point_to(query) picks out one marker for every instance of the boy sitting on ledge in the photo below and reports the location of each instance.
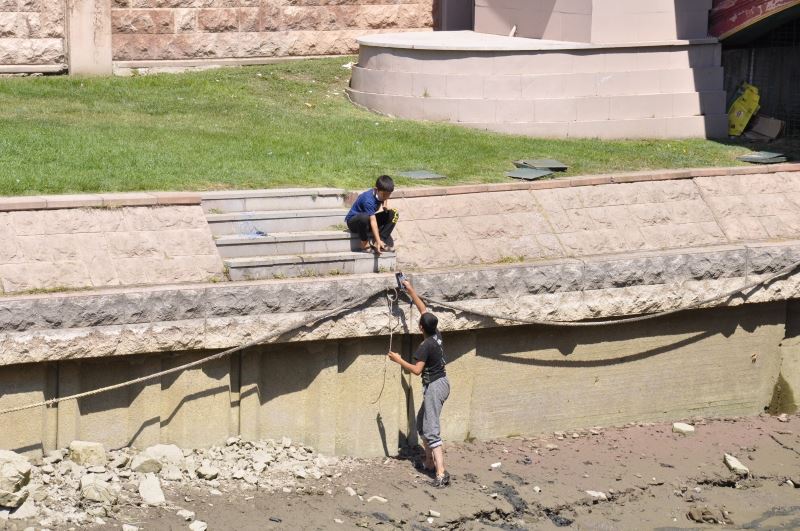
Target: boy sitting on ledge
(370, 216)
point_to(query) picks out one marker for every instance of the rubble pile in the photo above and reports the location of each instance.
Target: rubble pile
(85, 484)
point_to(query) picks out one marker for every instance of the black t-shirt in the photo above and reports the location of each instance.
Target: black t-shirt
(432, 353)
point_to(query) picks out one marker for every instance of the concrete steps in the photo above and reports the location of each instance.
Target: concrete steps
(266, 222)
(264, 234)
(286, 243)
(269, 200)
(308, 265)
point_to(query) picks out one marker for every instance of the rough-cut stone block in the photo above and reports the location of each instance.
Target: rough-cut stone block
(143, 21)
(218, 20)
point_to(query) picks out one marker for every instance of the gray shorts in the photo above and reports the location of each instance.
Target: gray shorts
(433, 397)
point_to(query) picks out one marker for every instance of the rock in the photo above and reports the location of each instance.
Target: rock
(87, 453)
(145, 464)
(15, 474)
(496, 465)
(171, 473)
(96, 469)
(597, 495)
(259, 467)
(379, 499)
(230, 441)
(206, 471)
(338, 521)
(165, 453)
(435, 514)
(185, 514)
(350, 491)
(150, 490)
(238, 474)
(48, 469)
(736, 466)
(26, 510)
(286, 442)
(551, 447)
(429, 520)
(575, 435)
(95, 488)
(783, 417)
(301, 473)
(261, 456)
(215, 492)
(537, 489)
(682, 428)
(198, 525)
(54, 456)
(129, 527)
(119, 461)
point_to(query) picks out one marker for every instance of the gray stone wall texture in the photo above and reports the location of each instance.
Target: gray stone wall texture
(32, 32)
(208, 29)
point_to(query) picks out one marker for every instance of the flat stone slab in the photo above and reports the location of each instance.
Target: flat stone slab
(484, 42)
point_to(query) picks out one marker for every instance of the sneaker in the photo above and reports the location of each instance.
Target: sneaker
(441, 481)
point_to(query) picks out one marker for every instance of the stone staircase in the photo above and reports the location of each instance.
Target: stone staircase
(300, 232)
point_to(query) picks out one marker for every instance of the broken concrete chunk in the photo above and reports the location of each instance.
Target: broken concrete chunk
(682, 428)
(150, 490)
(597, 495)
(736, 466)
(145, 464)
(25, 511)
(165, 453)
(15, 473)
(185, 514)
(87, 453)
(207, 471)
(198, 525)
(95, 488)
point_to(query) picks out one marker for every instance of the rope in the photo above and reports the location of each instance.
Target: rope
(390, 306)
(390, 303)
(623, 320)
(261, 340)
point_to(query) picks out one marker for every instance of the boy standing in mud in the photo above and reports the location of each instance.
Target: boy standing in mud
(428, 361)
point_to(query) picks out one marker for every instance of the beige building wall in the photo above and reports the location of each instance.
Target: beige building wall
(32, 34)
(332, 395)
(596, 21)
(148, 30)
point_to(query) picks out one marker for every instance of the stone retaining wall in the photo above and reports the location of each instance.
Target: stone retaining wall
(149, 30)
(103, 241)
(32, 32)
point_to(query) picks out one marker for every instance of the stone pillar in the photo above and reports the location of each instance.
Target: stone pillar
(89, 37)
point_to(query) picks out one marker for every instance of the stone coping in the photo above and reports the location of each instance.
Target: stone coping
(271, 192)
(166, 303)
(486, 42)
(594, 180)
(108, 200)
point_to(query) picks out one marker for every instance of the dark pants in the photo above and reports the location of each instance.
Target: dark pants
(386, 219)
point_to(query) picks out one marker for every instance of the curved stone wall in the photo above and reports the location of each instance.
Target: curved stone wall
(544, 88)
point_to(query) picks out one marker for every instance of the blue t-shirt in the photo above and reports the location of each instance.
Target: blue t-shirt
(367, 203)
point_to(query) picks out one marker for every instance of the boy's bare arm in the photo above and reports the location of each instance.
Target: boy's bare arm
(415, 298)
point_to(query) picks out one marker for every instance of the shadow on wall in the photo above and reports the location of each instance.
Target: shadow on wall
(635, 342)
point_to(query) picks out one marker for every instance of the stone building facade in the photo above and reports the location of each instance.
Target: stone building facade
(93, 36)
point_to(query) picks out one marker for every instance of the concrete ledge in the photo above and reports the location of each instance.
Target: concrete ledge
(33, 69)
(596, 180)
(54, 202)
(195, 317)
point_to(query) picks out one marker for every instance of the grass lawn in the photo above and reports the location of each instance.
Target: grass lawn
(288, 124)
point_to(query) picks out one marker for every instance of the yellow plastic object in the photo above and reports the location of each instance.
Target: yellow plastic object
(742, 109)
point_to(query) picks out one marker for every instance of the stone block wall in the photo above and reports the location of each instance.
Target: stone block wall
(32, 32)
(201, 29)
(76, 248)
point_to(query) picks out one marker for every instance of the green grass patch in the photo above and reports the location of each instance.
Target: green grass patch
(288, 124)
